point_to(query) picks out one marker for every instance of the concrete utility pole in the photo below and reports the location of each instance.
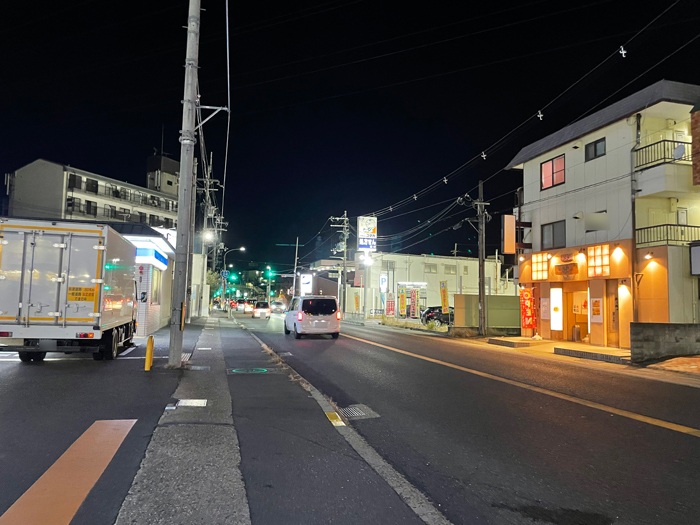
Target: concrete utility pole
(345, 225)
(187, 141)
(296, 256)
(483, 217)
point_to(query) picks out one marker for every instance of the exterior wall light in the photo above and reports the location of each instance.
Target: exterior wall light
(549, 256)
(521, 258)
(649, 255)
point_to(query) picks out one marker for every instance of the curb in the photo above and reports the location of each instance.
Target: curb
(594, 356)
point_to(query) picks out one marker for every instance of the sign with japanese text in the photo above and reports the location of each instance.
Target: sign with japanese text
(527, 309)
(390, 305)
(414, 300)
(81, 293)
(402, 300)
(443, 297)
(367, 234)
(357, 301)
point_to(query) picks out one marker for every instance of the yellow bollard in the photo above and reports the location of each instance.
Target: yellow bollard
(149, 353)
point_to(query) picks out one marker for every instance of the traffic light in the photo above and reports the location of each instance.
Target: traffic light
(272, 294)
(232, 277)
(269, 274)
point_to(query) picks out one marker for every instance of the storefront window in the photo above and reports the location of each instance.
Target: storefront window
(599, 260)
(540, 266)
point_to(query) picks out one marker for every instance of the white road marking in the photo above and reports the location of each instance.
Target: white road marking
(192, 403)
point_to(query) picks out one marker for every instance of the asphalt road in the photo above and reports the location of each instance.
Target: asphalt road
(491, 451)
(45, 407)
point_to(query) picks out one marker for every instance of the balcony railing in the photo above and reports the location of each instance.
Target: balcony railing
(121, 194)
(667, 234)
(662, 152)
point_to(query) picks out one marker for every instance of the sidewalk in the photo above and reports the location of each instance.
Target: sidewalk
(260, 447)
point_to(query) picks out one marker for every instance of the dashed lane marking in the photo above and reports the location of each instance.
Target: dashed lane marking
(59, 492)
(590, 404)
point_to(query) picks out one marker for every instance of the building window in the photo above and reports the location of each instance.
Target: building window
(168, 223)
(91, 208)
(156, 284)
(110, 211)
(450, 269)
(595, 149)
(73, 204)
(552, 172)
(74, 181)
(466, 270)
(430, 268)
(91, 186)
(554, 235)
(599, 260)
(169, 183)
(388, 266)
(540, 267)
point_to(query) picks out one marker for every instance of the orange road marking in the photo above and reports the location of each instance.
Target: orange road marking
(56, 496)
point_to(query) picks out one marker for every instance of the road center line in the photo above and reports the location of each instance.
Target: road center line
(56, 496)
(591, 404)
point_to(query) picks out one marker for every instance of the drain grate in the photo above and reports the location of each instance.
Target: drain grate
(354, 412)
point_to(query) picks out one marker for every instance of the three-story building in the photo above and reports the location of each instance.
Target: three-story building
(609, 205)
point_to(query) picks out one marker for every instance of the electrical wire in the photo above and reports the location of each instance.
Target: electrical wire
(228, 112)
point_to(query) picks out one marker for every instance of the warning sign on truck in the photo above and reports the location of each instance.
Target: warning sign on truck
(81, 293)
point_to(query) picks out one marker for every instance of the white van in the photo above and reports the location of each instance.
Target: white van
(313, 314)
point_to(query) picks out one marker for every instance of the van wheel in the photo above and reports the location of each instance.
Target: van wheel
(286, 330)
(25, 357)
(335, 335)
(38, 357)
(438, 323)
(111, 349)
(297, 335)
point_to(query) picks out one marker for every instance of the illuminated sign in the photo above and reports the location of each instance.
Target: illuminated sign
(599, 260)
(151, 256)
(527, 309)
(540, 267)
(556, 304)
(306, 284)
(443, 297)
(367, 234)
(383, 282)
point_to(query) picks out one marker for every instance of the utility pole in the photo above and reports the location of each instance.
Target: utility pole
(345, 225)
(483, 217)
(187, 141)
(296, 254)
(190, 255)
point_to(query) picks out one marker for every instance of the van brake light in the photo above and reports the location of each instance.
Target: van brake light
(337, 315)
(300, 316)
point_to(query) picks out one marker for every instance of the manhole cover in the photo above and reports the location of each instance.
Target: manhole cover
(354, 412)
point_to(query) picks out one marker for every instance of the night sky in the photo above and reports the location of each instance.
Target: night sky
(345, 105)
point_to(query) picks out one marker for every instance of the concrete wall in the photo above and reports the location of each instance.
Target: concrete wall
(682, 287)
(501, 311)
(39, 191)
(658, 340)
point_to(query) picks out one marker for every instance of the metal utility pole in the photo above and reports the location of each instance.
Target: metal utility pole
(482, 216)
(187, 141)
(345, 225)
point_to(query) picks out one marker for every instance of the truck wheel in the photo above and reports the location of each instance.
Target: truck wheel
(111, 350)
(38, 357)
(25, 357)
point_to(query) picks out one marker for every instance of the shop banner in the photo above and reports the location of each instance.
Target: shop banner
(357, 301)
(402, 300)
(443, 297)
(527, 309)
(414, 300)
(418, 303)
(390, 305)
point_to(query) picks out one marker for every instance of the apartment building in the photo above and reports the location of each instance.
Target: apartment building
(45, 189)
(609, 206)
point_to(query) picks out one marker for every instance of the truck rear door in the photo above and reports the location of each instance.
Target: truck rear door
(49, 275)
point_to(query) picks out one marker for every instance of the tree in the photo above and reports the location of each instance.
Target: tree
(214, 282)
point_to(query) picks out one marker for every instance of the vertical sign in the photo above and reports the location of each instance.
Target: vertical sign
(357, 301)
(527, 309)
(507, 233)
(418, 303)
(402, 300)
(443, 297)
(367, 234)
(306, 284)
(414, 300)
(390, 305)
(383, 282)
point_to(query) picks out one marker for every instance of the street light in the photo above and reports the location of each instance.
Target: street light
(241, 249)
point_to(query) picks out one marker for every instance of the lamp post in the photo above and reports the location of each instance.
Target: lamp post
(368, 262)
(223, 291)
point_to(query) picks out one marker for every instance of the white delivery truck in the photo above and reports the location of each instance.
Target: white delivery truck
(65, 287)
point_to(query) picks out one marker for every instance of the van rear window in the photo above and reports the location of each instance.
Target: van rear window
(319, 306)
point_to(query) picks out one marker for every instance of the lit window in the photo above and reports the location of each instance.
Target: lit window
(540, 267)
(552, 172)
(599, 260)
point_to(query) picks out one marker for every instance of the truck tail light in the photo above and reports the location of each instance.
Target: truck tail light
(300, 316)
(85, 335)
(337, 315)
(5, 334)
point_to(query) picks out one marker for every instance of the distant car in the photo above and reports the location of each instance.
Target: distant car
(434, 313)
(313, 314)
(241, 305)
(261, 309)
(277, 307)
(248, 306)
